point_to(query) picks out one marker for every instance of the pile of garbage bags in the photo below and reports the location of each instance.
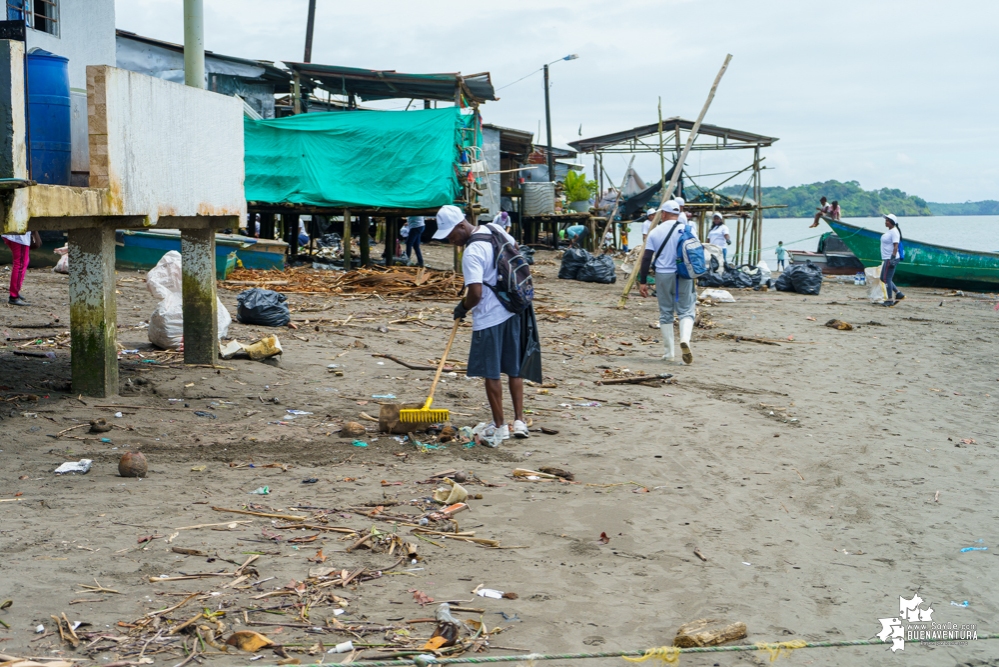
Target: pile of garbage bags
(801, 278)
(744, 276)
(578, 264)
(528, 253)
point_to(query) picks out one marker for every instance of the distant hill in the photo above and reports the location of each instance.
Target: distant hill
(987, 207)
(855, 202)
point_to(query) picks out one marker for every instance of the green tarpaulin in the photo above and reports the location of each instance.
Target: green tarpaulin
(386, 159)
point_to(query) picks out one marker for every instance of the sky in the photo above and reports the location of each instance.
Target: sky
(884, 92)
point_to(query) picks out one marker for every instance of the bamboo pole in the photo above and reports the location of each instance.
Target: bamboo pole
(346, 239)
(677, 169)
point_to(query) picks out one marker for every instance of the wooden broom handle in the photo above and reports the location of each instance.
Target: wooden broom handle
(440, 366)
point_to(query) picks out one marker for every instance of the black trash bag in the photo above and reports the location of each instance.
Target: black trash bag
(262, 306)
(801, 278)
(573, 260)
(807, 279)
(754, 274)
(599, 269)
(530, 347)
(528, 253)
(736, 279)
(712, 279)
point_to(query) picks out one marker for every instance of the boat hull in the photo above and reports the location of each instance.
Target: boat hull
(143, 249)
(925, 264)
(831, 263)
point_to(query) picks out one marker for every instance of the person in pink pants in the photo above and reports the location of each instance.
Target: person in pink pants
(19, 245)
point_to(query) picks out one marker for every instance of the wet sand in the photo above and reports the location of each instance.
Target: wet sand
(821, 477)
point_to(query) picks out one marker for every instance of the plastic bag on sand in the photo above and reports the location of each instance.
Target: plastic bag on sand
(877, 293)
(719, 295)
(765, 273)
(166, 324)
(62, 266)
(599, 269)
(262, 306)
(573, 260)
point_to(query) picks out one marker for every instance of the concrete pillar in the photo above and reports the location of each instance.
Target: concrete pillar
(93, 312)
(201, 328)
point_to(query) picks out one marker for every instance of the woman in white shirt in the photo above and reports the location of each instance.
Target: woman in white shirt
(890, 257)
(19, 245)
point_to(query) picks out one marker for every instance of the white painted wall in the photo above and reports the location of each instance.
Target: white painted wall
(86, 37)
(172, 150)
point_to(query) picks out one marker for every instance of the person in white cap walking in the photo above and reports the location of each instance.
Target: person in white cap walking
(890, 257)
(496, 332)
(719, 234)
(675, 294)
(651, 213)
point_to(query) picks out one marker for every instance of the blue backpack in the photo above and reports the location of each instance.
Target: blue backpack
(514, 286)
(690, 259)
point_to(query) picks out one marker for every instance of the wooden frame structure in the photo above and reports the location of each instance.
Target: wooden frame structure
(647, 139)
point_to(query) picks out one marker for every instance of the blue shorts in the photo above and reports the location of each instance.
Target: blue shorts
(496, 350)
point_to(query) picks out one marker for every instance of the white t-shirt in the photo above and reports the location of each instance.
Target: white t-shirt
(23, 239)
(716, 235)
(682, 218)
(645, 227)
(478, 263)
(667, 259)
(888, 241)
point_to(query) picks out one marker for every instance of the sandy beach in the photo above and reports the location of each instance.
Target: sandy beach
(819, 475)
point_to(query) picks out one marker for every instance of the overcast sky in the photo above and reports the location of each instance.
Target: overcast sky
(888, 93)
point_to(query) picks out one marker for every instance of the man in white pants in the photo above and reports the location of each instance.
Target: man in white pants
(675, 294)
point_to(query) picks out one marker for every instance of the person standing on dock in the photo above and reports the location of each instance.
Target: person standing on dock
(496, 332)
(675, 294)
(890, 257)
(719, 234)
(824, 209)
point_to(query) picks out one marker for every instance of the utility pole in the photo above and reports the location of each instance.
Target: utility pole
(194, 43)
(548, 124)
(309, 28)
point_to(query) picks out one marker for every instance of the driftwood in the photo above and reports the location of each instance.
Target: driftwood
(412, 367)
(639, 379)
(708, 632)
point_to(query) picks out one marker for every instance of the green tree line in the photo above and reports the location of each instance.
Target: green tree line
(854, 201)
(987, 207)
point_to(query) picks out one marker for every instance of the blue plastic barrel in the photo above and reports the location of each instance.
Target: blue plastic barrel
(49, 118)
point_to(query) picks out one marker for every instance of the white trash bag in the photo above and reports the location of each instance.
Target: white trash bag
(62, 266)
(166, 324)
(765, 273)
(718, 295)
(877, 294)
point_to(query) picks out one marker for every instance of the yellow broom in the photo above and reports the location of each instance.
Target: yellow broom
(425, 415)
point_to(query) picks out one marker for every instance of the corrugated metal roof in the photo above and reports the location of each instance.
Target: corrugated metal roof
(372, 84)
(669, 125)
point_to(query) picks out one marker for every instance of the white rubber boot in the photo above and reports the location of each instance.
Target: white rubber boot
(667, 331)
(686, 329)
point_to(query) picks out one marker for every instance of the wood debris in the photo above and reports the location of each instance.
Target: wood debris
(397, 282)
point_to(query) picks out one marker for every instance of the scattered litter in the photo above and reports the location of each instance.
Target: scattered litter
(384, 396)
(202, 413)
(495, 594)
(311, 480)
(262, 306)
(249, 641)
(166, 324)
(344, 647)
(359, 443)
(264, 348)
(745, 563)
(959, 604)
(509, 617)
(604, 538)
(719, 295)
(352, 430)
(840, 325)
(298, 412)
(967, 549)
(708, 632)
(118, 415)
(455, 493)
(198, 468)
(262, 491)
(82, 467)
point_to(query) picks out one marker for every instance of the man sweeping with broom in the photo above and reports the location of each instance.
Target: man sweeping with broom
(504, 330)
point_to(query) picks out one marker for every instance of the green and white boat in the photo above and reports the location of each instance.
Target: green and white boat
(925, 264)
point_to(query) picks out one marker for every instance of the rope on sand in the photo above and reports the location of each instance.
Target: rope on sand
(667, 654)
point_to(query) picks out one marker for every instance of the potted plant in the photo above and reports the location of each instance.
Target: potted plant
(578, 191)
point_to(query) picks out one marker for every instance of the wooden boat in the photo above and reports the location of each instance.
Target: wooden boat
(142, 249)
(832, 256)
(925, 264)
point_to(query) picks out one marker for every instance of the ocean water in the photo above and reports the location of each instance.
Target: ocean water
(971, 232)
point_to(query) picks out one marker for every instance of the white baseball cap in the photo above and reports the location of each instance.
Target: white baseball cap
(651, 212)
(447, 219)
(891, 217)
(670, 207)
(718, 215)
(680, 201)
